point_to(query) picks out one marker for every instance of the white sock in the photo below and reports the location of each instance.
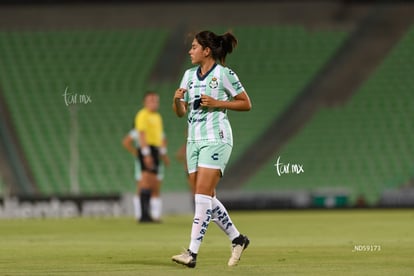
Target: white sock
(222, 218)
(156, 207)
(137, 207)
(202, 217)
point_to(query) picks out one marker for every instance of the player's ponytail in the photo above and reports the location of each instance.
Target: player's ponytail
(227, 43)
(220, 45)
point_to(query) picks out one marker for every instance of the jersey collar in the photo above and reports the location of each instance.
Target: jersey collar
(203, 77)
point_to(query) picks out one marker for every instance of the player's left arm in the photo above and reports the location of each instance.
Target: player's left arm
(234, 88)
(240, 102)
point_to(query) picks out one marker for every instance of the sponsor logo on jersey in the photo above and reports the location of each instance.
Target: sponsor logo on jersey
(191, 85)
(200, 86)
(237, 85)
(193, 120)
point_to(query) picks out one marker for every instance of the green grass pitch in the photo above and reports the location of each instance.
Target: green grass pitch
(334, 242)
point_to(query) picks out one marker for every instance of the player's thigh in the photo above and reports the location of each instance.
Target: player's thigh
(137, 170)
(214, 156)
(207, 180)
(156, 189)
(192, 178)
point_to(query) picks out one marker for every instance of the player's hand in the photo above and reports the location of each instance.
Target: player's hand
(179, 93)
(178, 105)
(207, 101)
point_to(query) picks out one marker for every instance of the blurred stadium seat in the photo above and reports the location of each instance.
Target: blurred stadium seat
(364, 146)
(274, 64)
(108, 66)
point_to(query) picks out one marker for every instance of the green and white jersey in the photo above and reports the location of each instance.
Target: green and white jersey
(209, 124)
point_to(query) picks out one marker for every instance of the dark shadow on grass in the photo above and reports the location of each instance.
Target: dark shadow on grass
(162, 262)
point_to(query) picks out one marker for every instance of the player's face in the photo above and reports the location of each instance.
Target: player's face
(197, 53)
(152, 102)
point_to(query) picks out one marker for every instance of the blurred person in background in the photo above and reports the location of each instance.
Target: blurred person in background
(206, 92)
(152, 150)
(131, 144)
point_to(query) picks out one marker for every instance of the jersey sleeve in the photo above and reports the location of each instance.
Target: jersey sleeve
(231, 82)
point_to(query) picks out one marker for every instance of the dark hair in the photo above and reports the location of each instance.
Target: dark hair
(220, 45)
(149, 93)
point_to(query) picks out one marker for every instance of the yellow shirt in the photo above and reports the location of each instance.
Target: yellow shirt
(151, 124)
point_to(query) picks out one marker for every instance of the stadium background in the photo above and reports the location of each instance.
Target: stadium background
(331, 84)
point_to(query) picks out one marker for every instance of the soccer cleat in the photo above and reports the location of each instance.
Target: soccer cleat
(186, 258)
(239, 244)
(145, 220)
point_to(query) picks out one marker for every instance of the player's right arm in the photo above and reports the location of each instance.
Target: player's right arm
(180, 101)
(179, 106)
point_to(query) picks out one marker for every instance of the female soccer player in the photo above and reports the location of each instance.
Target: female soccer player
(207, 91)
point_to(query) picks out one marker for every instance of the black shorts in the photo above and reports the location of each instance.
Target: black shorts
(155, 153)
